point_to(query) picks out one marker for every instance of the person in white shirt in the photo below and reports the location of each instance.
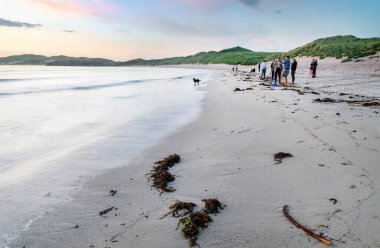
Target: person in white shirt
(263, 68)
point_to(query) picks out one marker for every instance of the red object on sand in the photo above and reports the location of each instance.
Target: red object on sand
(294, 222)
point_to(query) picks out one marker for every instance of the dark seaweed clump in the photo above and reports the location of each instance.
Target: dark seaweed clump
(196, 221)
(180, 209)
(278, 157)
(212, 206)
(161, 175)
(191, 225)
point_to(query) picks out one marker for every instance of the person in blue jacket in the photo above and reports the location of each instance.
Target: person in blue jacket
(286, 70)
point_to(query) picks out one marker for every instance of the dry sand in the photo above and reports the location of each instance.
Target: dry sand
(228, 153)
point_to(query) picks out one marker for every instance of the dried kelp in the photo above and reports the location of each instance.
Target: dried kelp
(238, 89)
(212, 206)
(103, 212)
(161, 178)
(169, 161)
(367, 102)
(190, 231)
(114, 238)
(278, 157)
(180, 209)
(327, 99)
(191, 225)
(160, 174)
(309, 232)
(195, 221)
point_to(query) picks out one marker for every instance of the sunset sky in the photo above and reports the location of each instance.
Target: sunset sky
(128, 29)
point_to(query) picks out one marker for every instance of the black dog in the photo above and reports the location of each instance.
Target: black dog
(196, 81)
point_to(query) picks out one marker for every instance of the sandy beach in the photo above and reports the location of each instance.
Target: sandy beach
(227, 153)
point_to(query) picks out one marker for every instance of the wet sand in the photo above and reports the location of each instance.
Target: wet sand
(227, 153)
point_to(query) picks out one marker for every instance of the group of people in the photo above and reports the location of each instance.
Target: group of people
(282, 68)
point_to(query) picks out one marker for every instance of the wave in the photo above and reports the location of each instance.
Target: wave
(81, 88)
(20, 79)
(10, 237)
(11, 79)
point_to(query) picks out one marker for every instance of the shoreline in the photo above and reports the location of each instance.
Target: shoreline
(227, 153)
(106, 136)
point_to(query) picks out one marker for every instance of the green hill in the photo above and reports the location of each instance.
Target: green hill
(231, 56)
(31, 59)
(26, 59)
(68, 61)
(348, 46)
(235, 49)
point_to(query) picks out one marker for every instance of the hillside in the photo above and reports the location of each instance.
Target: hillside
(31, 59)
(69, 61)
(231, 56)
(348, 47)
(26, 59)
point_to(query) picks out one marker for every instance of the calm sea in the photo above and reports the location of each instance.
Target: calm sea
(60, 126)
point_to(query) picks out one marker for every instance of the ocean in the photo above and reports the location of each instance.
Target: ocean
(61, 126)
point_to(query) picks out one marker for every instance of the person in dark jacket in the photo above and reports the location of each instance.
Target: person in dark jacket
(277, 73)
(313, 68)
(273, 68)
(293, 69)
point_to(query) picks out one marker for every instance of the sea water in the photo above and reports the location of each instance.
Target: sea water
(60, 126)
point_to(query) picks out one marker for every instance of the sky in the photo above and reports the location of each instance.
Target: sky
(127, 29)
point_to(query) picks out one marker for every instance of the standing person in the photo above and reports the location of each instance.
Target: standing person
(259, 66)
(263, 69)
(273, 67)
(233, 68)
(293, 69)
(313, 68)
(286, 71)
(277, 73)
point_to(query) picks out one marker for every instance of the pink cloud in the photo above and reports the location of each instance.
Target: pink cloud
(80, 7)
